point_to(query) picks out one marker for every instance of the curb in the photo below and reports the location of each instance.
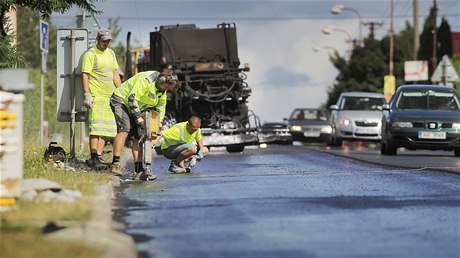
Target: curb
(100, 231)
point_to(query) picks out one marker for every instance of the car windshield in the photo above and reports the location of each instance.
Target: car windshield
(362, 103)
(434, 100)
(309, 114)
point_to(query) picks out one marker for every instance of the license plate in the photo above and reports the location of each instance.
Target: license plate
(431, 135)
(365, 131)
(311, 134)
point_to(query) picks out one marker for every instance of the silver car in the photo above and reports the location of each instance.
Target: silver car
(356, 116)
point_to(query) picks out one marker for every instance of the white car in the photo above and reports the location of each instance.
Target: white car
(356, 116)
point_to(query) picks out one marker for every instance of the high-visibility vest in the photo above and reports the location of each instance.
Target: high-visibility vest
(100, 65)
(178, 134)
(140, 93)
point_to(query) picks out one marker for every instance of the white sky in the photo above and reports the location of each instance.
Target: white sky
(275, 37)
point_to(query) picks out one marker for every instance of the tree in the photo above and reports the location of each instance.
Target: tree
(363, 72)
(444, 40)
(45, 8)
(403, 51)
(28, 36)
(425, 51)
(11, 57)
(120, 50)
(369, 64)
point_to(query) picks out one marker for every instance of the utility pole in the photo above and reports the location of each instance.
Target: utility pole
(416, 30)
(389, 81)
(372, 26)
(435, 40)
(81, 19)
(390, 72)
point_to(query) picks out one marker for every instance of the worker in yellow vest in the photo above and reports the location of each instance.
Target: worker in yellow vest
(182, 143)
(99, 79)
(145, 90)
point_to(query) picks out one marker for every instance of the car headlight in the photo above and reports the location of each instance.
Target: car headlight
(456, 125)
(296, 128)
(402, 124)
(345, 121)
(326, 129)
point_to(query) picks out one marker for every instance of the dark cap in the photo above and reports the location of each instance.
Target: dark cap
(104, 34)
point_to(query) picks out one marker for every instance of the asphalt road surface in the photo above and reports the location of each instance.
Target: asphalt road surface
(292, 201)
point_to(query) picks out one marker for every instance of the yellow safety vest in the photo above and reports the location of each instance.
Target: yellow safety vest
(100, 65)
(178, 134)
(140, 93)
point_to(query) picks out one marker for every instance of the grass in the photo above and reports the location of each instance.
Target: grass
(21, 228)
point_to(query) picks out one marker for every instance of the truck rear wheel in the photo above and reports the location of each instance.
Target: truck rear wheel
(235, 148)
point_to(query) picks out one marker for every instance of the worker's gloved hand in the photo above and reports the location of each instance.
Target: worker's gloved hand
(88, 101)
(140, 120)
(199, 155)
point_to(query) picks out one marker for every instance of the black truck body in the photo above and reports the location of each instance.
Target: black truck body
(213, 83)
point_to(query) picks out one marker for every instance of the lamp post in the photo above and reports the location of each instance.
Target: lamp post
(338, 8)
(318, 47)
(328, 29)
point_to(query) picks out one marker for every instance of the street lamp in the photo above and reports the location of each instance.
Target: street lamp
(338, 8)
(328, 29)
(318, 48)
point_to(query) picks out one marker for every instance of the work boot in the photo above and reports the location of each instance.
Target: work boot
(137, 175)
(98, 165)
(103, 162)
(147, 175)
(176, 168)
(116, 169)
(89, 162)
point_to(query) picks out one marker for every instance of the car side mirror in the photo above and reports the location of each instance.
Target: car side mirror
(334, 107)
(285, 119)
(386, 107)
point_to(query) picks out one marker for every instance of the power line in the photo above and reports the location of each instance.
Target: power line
(406, 9)
(248, 17)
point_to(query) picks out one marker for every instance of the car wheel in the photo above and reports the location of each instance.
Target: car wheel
(457, 152)
(383, 148)
(386, 148)
(329, 141)
(338, 142)
(235, 148)
(334, 142)
(391, 149)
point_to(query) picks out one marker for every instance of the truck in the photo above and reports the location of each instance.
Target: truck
(213, 81)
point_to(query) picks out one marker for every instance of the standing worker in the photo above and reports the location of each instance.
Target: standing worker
(99, 76)
(178, 144)
(145, 90)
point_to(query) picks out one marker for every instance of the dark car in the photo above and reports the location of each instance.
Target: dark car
(275, 132)
(310, 124)
(422, 117)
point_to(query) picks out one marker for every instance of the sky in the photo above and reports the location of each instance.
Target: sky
(276, 38)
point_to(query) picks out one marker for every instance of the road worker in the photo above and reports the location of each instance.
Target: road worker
(99, 79)
(145, 90)
(182, 143)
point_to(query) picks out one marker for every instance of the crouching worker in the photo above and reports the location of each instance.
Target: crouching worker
(145, 90)
(182, 143)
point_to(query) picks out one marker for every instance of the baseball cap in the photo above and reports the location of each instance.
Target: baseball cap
(104, 34)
